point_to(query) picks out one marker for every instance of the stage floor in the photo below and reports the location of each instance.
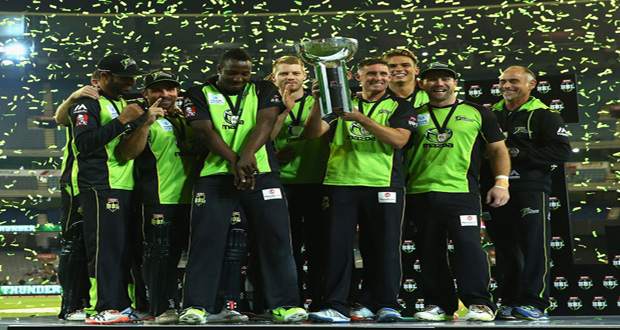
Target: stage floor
(566, 322)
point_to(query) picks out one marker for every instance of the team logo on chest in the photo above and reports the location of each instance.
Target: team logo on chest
(437, 139)
(359, 133)
(231, 120)
(112, 205)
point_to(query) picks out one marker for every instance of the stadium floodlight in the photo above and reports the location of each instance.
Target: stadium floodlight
(15, 49)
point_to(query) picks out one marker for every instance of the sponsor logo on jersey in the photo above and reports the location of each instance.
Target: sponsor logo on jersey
(585, 282)
(216, 99)
(112, 111)
(413, 121)
(459, 118)
(543, 87)
(574, 303)
(495, 90)
(560, 283)
(469, 220)
(521, 130)
(272, 193)
(80, 108)
(410, 285)
(567, 85)
(527, 211)
(231, 119)
(557, 105)
(610, 282)
(275, 99)
(438, 140)
(387, 197)
(599, 303)
(557, 242)
(190, 111)
(200, 199)
(157, 220)
(514, 175)
(385, 111)
(408, 246)
(165, 125)
(235, 218)
(423, 119)
(81, 120)
(359, 133)
(562, 132)
(112, 205)
(475, 91)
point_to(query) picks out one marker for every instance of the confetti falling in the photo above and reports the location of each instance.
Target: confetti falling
(62, 40)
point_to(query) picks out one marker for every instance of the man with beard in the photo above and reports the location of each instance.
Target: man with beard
(302, 168)
(364, 185)
(403, 65)
(165, 153)
(104, 184)
(521, 230)
(233, 117)
(443, 195)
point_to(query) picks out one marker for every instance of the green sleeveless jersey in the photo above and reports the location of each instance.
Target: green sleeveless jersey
(308, 166)
(97, 133)
(357, 158)
(234, 127)
(448, 160)
(166, 168)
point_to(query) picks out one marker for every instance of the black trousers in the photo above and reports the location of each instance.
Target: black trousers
(436, 217)
(521, 234)
(307, 230)
(107, 219)
(72, 266)
(380, 218)
(165, 233)
(215, 198)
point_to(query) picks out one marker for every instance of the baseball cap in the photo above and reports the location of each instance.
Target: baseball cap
(119, 65)
(159, 76)
(438, 66)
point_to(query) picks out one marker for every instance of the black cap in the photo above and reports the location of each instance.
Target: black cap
(438, 66)
(158, 76)
(119, 65)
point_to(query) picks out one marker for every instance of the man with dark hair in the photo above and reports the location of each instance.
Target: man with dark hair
(165, 153)
(443, 195)
(364, 185)
(521, 230)
(302, 168)
(72, 265)
(403, 66)
(234, 116)
(104, 182)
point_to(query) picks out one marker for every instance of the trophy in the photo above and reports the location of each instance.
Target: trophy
(328, 56)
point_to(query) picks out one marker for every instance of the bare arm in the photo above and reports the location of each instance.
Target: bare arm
(500, 165)
(394, 137)
(315, 126)
(133, 145)
(62, 113)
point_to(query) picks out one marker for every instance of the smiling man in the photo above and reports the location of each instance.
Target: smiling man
(403, 65)
(234, 116)
(443, 195)
(364, 184)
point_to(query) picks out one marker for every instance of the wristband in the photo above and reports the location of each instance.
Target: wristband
(501, 177)
(500, 187)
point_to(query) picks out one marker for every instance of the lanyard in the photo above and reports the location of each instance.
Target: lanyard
(360, 105)
(113, 103)
(441, 129)
(236, 109)
(297, 121)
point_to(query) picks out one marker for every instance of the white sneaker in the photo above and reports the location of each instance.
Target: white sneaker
(432, 313)
(328, 315)
(479, 313)
(78, 315)
(361, 314)
(226, 316)
(105, 317)
(388, 315)
(170, 316)
(135, 315)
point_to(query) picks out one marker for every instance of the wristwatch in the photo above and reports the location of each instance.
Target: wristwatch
(513, 152)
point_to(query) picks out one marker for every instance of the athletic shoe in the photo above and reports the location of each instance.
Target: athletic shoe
(328, 315)
(78, 315)
(289, 315)
(504, 313)
(432, 313)
(388, 315)
(226, 316)
(529, 313)
(479, 313)
(361, 314)
(193, 315)
(170, 316)
(135, 315)
(105, 317)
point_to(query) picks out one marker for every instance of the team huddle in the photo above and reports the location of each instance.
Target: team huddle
(145, 180)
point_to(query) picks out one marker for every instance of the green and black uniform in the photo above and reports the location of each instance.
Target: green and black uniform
(443, 200)
(521, 230)
(105, 183)
(302, 178)
(234, 117)
(364, 185)
(72, 265)
(417, 99)
(165, 175)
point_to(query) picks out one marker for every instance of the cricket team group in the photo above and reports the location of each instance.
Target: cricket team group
(145, 180)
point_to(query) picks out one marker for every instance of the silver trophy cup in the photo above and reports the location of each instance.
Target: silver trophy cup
(328, 56)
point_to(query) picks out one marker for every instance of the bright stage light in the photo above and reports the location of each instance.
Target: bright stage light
(15, 50)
